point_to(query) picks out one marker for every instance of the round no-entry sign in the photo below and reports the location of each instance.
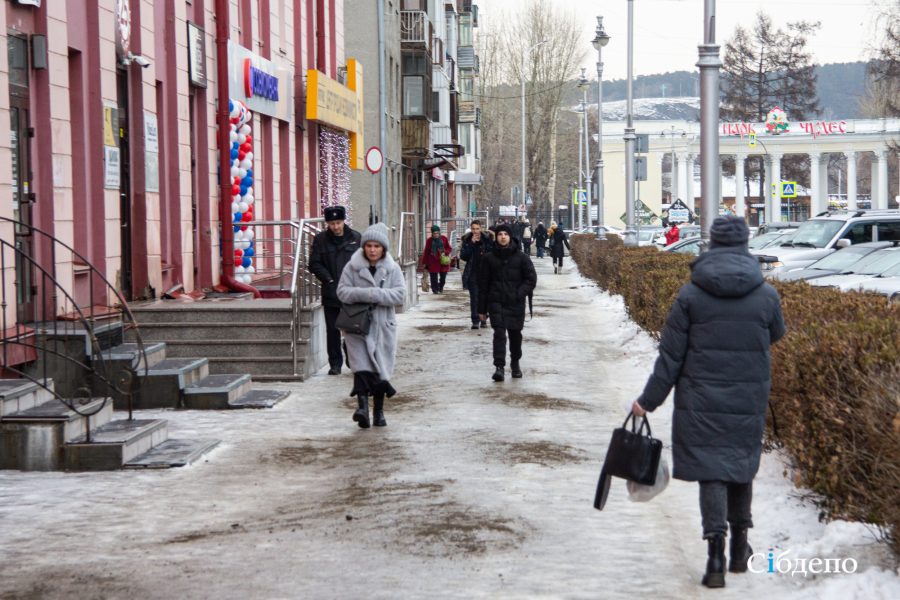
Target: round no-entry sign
(374, 159)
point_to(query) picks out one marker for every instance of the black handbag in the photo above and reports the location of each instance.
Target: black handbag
(632, 455)
(355, 318)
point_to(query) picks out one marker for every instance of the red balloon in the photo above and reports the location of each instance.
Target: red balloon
(238, 252)
(235, 190)
(237, 181)
(247, 216)
(243, 228)
(249, 140)
(241, 154)
(246, 147)
(238, 261)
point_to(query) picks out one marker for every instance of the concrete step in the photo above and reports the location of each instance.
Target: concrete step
(116, 366)
(172, 453)
(162, 386)
(128, 352)
(235, 311)
(228, 348)
(17, 395)
(33, 439)
(216, 392)
(218, 330)
(115, 444)
(260, 399)
(257, 366)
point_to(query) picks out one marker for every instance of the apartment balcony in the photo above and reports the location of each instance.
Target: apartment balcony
(467, 113)
(416, 30)
(465, 57)
(415, 136)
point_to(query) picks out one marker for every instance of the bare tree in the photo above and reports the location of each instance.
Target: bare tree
(883, 99)
(551, 43)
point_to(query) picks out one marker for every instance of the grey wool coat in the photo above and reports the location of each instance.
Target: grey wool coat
(377, 351)
(715, 351)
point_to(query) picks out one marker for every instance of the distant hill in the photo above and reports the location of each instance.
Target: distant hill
(840, 86)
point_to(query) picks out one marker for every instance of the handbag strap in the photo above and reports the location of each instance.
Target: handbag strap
(645, 422)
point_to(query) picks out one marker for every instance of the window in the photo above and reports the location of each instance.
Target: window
(466, 87)
(436, 107)
(465, 138)
(889, 232)
(859, 233)
(414, 96)
(465, 30)
(416, 64)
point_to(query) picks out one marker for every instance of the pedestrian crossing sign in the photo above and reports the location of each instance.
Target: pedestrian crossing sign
(579, 197)
(752, 140)
(788, 189)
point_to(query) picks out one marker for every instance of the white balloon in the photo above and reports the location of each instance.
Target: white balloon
(238, 236)
(249, 156)
(234, 207)
(235, 163)
(235, 110)
(249, 192)
(241, 172)
(245, 129)
(241, 138)
(250, 269)
(248, 234)
(246, 279)
(245, 244)
(246, 163)
(243, 207)
(249, 199)
(233, 136)
(239, 270)
(235, 172)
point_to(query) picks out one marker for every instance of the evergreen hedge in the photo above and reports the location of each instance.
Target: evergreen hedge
(835, 377)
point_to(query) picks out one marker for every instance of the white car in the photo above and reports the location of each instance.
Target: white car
(875, 266)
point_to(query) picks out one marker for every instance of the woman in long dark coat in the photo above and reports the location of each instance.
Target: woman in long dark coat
(559, 242)
(715, 352)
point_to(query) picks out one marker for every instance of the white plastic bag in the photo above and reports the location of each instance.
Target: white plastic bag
(646, 493)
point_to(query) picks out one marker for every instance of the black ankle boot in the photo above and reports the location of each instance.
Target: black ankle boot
(378, 412)
(515, 370)
(498, 374)
(740, 550)
(715, 564)
(361, 415)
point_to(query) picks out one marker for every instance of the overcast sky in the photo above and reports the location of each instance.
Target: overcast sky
(667, 32)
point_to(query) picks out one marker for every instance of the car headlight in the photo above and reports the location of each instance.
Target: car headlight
(771, 266)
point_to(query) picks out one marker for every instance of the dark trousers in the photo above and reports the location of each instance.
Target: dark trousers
(437, 281)
(527, 245)
(722, 502)
(515, 345)
(558, 260)
(540, 251)
(473, 299)
(333, 337)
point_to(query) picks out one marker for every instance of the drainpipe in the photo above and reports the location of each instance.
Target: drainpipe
(382, 111)
(227, 279)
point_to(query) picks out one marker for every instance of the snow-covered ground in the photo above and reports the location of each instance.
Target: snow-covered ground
(475, 489)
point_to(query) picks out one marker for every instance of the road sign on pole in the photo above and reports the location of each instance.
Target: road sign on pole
(788, 189)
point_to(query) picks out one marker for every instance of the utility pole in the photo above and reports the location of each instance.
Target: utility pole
(710, 165)
(630, 236)
(382, 108)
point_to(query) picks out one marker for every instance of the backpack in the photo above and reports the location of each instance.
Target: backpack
(527, 233)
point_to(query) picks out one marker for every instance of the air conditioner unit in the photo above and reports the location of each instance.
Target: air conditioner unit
(418, 178)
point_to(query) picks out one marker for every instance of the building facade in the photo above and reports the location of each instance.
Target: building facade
(116, 109)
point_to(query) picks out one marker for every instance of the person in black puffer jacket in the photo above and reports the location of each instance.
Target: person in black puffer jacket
(715, 352)
(331, 251)
(506, 279)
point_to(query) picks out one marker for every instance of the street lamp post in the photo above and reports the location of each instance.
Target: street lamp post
(673, 184)
(710, 165)
(630, 237)
(584, 84)
(579, 184)
(525, 51)
(600, 40)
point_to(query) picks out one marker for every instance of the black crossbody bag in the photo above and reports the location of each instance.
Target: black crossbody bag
(356, 318)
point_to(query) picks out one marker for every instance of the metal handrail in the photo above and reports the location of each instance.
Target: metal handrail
(409, 239)
(305, 289)
(50, 311)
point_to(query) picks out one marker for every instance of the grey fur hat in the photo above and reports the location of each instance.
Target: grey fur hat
(377, 233)
(729, 231)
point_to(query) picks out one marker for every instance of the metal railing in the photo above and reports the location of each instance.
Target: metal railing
(50, 324)
(415, 28)
(409, 239)
(282, 267)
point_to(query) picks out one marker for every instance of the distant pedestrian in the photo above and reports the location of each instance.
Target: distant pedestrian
(715, 352)
(540, 238)
(475, 245)
(331, 251)
(673, 234)
(559, 242)
(437, 247)
(506, 280)
(526, 237)
(373, 277)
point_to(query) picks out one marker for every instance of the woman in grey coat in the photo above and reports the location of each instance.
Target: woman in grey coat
(715, 352)
(373, 277)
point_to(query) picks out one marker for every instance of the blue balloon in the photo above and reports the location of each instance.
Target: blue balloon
(244, 189)
(235, 145)
(230, 107)
(249, 252)
(237, 217)
(246, 262)
(250, 174)
(237, 228)
(247, 181)
(234, 154)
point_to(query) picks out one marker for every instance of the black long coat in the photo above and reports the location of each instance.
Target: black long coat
(473, 254)
(327, 259)
(559, 241)
(506, 279)
(715, 351)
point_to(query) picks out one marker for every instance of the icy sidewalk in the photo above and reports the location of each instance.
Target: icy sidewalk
(475, 489)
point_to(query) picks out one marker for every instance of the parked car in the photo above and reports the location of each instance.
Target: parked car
(873, 266)
(689, 246)
(836, 262)
(777, 226)
(688, 231)
(771, 238)
(888, 283)
(828, 231)
(647, 236)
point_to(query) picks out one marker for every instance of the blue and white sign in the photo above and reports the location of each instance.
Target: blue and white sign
(788, 189)
(264, 86)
